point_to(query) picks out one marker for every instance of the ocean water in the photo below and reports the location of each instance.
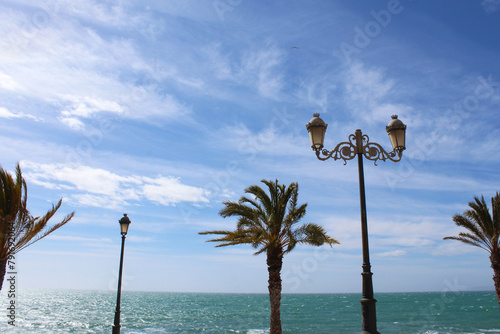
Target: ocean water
(73, 311)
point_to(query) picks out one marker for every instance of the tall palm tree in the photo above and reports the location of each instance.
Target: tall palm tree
(18, 228)
(268, 224)
(483, 231)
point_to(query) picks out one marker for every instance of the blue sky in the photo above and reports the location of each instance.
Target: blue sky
(164, 109)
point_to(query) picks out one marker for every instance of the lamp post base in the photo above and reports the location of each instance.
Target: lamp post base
(116, 329)
(368, 317)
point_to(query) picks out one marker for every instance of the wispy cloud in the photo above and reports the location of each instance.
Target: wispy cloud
(393, 253)
(366, 84)
(5, 113)
(316, 91)
(78, 238)
(269, 141)
(370, 93)
(7, 82)
(491, 6)
(263, 67)
(99, 12)
(72, 68)
(259, 67)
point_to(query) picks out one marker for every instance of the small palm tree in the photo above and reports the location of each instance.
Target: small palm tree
(268, 224)
(18, 228)
(483, 231)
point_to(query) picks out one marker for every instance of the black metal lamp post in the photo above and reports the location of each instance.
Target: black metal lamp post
(360, 145)
(124, 223)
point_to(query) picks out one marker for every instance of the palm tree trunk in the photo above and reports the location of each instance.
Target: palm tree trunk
(274, 264)
(3, 264)
(495, 264)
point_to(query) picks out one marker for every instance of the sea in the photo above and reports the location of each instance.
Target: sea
(76, 311)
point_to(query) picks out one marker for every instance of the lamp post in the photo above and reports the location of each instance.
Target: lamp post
(359, 145)
(124, 223)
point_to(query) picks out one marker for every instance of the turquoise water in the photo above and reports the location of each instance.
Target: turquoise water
(71, 311)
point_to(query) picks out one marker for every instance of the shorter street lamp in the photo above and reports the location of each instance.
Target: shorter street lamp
(360, 145)
(124, 223)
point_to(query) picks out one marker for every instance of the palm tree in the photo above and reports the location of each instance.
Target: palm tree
(483, 231)
(268, 224)
(18, 228)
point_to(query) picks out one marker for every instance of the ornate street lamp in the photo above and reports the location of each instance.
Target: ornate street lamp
(360, 145)
(124, 223)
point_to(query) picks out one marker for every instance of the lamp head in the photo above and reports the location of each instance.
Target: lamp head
(124, 223)
(316, 128)
(397, 133)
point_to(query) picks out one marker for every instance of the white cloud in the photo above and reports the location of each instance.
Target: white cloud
(7, 82)
(6, 113)
(97, 181)
(394, 253)
(81, 72)
(86, 106)
(169, 190)
(72, 122)
(101, 188)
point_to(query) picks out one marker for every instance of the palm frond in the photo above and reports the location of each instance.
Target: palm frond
(480, 214)
(45, 233)
(18, 228)
(266, 222)
(466, 241)
(483, 227)
(466, 222)
(495, 208)
(261, 196)
(314, 234)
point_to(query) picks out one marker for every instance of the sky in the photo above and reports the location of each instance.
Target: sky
(165, 109)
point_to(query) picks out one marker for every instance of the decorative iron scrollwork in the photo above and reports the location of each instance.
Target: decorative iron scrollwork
(345, 151)
(348, 150)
